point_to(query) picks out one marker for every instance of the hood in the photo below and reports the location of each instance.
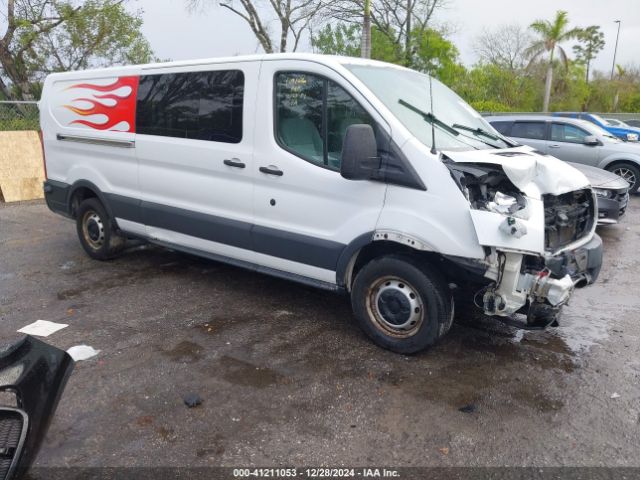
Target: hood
(533, 173)
(599, 177)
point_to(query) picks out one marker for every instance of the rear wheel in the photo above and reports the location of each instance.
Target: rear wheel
(629, 172)
(401, 305)
(96, 231)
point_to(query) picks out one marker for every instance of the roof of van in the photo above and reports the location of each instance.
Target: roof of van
(330, 60)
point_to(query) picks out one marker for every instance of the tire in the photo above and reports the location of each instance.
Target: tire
(401, 305)
(629, 171)
(96, 231)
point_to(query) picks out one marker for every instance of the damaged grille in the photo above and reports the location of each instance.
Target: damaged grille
(567, 218)
(11, 429)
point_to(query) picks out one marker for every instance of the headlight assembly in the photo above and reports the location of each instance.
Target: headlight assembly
(602, 193)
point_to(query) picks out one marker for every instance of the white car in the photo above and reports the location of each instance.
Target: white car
(341, 173)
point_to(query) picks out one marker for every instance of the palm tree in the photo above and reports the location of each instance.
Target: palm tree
(551, 34)
(366, 30)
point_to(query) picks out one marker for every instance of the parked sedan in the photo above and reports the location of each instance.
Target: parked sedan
(627, 134)
(614, 122)
(574, 140)
(611, 190)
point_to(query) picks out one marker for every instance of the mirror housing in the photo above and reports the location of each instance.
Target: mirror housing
(359, 153)
(591, 140)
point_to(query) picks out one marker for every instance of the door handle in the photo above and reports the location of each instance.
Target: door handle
(271, 170)
(234, 162)
(554, 146)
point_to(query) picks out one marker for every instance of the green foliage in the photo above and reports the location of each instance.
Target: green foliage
(342, 39)
(100, 33)
(436, 55)
(591, 43)
(492, 87)
(493, 84)
(44, 36)
(490, 106)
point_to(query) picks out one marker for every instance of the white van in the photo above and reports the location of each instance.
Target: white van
(341, 173)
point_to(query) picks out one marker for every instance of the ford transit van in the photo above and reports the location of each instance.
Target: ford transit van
(346, 174)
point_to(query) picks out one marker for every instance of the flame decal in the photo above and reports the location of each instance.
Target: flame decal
(124, 110)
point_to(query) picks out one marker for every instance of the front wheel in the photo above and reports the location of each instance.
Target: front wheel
(96, 231)
(629, 172)
(401, 305)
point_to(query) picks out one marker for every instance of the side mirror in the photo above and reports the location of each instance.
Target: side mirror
(591, 140)
(359, 153)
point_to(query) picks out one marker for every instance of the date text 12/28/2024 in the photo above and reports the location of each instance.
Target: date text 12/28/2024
(315, 472)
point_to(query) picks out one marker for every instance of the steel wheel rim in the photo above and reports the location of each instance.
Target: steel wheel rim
(626, 174)
(93, 229)
(395, 307)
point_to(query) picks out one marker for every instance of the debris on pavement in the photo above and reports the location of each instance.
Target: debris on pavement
(82, 352)
(42, 328)
(192, 400)
(615, 395)
(468, 408)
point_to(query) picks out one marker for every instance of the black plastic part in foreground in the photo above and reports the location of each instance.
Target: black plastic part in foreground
(37, 373)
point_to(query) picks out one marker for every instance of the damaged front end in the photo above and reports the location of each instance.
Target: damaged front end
(33, 375)
(538, 238)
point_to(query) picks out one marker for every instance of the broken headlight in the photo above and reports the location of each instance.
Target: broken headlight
(487, 187)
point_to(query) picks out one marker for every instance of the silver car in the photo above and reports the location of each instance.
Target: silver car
(611, 190)
(575, 141)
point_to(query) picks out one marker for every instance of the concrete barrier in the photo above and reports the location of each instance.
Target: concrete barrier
(21, 166)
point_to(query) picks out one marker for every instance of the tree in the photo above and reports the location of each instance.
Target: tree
(551, 34)
(436, 55)
(341, 39)
(391, 18)
(591, 43)
(504, 47)
(44, 36)
(366, 30)
(293, 16)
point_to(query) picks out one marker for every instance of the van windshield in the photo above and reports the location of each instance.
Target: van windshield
(397, 88)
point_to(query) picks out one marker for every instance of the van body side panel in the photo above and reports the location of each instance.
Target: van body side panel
(187, 187)
(314, 206)
(82, 116)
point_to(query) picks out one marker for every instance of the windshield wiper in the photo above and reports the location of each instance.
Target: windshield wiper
(481, 132)
(477, 130)
(430, 117)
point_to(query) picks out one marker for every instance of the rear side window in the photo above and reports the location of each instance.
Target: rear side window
(502, 127)
(312, 117)
(532, 130)
(195, 105)
(562, 132)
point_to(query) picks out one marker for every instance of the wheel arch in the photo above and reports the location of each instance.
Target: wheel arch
(612, 160)
(367, 247)
(83, 189)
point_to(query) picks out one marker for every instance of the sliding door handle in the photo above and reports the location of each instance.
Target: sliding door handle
(234, 162)
(272, 170)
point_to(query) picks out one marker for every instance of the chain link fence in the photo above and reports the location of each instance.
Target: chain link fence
(19, 116)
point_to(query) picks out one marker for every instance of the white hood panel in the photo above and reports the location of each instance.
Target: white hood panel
(534, 174)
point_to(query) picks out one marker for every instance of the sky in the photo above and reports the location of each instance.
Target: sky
(177, 34)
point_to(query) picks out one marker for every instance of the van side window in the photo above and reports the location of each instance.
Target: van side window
(532, 130)
(195, 105)
(312, 116)
(562, 132)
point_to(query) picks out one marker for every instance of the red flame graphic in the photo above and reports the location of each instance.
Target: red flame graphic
(124, 110)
